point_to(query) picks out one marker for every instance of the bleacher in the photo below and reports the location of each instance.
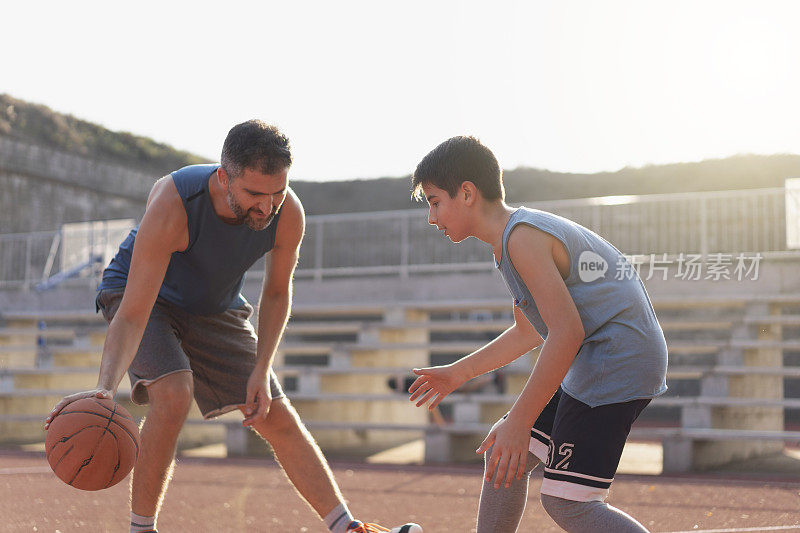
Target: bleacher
(345, 369)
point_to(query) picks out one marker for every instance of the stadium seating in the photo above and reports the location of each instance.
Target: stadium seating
(346, 368)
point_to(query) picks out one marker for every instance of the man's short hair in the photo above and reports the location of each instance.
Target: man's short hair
(455, 161)
(256, 145)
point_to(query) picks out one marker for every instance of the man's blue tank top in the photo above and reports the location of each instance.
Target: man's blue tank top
(207, 277)
(623, 356)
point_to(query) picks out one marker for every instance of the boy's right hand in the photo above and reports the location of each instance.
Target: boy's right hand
(66, 400)
(438, 381)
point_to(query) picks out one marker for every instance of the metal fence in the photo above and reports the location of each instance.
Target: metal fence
(402, 243)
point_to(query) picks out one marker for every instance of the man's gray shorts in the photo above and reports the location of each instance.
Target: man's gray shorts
(219, 350)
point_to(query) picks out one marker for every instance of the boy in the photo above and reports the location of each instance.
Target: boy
(603, 360)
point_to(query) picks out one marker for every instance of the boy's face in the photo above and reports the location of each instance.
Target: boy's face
(447, 214)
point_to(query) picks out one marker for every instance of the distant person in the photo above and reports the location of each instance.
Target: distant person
(603, 360)
(179, 324)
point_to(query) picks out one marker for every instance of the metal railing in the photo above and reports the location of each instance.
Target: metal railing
(402, 243)
(30, 259)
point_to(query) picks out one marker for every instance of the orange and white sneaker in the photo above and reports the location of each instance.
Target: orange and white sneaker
(357, 526)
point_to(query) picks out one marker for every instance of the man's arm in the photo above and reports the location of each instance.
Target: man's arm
(163, 230)
(276, 301)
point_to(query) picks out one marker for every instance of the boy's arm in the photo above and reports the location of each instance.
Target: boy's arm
(515, 341)
(276, 301)
(533, 251)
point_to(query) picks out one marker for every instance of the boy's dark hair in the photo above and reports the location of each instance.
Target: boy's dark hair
(257, 145)
(455, 161)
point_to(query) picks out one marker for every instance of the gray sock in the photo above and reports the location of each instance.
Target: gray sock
(338, 519)
(589, 517)
(500, 510)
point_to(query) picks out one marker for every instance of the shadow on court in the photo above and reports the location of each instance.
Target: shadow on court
(218, 495)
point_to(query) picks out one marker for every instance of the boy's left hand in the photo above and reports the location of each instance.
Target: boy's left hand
(511, 440)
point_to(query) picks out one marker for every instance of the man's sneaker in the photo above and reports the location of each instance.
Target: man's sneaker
(363, 527)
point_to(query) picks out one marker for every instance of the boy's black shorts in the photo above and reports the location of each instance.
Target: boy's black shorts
(581, 446)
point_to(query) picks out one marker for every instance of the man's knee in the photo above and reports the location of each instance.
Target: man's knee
(282, 420)
(172, 394)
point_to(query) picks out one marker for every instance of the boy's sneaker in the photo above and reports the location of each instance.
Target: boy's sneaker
(363, 527)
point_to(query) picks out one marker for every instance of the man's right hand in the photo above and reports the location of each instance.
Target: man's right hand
(66, 400)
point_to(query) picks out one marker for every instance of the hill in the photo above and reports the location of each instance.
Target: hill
(531, 184)
(39, 124)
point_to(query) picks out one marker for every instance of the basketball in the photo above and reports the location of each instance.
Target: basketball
(92, 444)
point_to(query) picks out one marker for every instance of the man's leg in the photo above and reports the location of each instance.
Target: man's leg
(161, 376)
(223, 351)
(307, 469)
(170, 400)
(300, 457)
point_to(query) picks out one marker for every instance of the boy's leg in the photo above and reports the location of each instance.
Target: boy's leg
(589, 517)
(586, 446)
(500, 510)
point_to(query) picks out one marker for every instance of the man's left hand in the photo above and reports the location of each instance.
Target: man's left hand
(259, 398)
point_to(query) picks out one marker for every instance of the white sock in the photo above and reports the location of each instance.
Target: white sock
(338, 519)
(142, 523)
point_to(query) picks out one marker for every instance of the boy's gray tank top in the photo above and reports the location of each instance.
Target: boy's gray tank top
(623, 356)
(207, 277)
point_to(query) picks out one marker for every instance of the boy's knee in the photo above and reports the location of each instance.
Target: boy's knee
(589, 517)
(530, 464)
(566, 512)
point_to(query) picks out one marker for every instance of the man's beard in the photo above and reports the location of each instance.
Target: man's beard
(245, 217)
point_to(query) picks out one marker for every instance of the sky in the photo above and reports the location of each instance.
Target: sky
(366, 88)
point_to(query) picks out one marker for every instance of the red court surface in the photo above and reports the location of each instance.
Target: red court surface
(218, 495)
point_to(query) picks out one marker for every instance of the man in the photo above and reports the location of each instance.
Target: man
(178, 322)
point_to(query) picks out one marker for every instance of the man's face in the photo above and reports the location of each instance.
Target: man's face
(445, 213)
(256, 198)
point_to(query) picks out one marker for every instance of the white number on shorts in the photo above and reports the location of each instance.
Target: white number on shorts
(564, 450)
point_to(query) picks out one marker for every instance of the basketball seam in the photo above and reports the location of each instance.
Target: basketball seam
(110, 419)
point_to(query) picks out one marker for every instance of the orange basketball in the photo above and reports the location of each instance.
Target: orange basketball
(92, 443)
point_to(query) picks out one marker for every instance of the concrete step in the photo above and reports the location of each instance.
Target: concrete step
(48, 378)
